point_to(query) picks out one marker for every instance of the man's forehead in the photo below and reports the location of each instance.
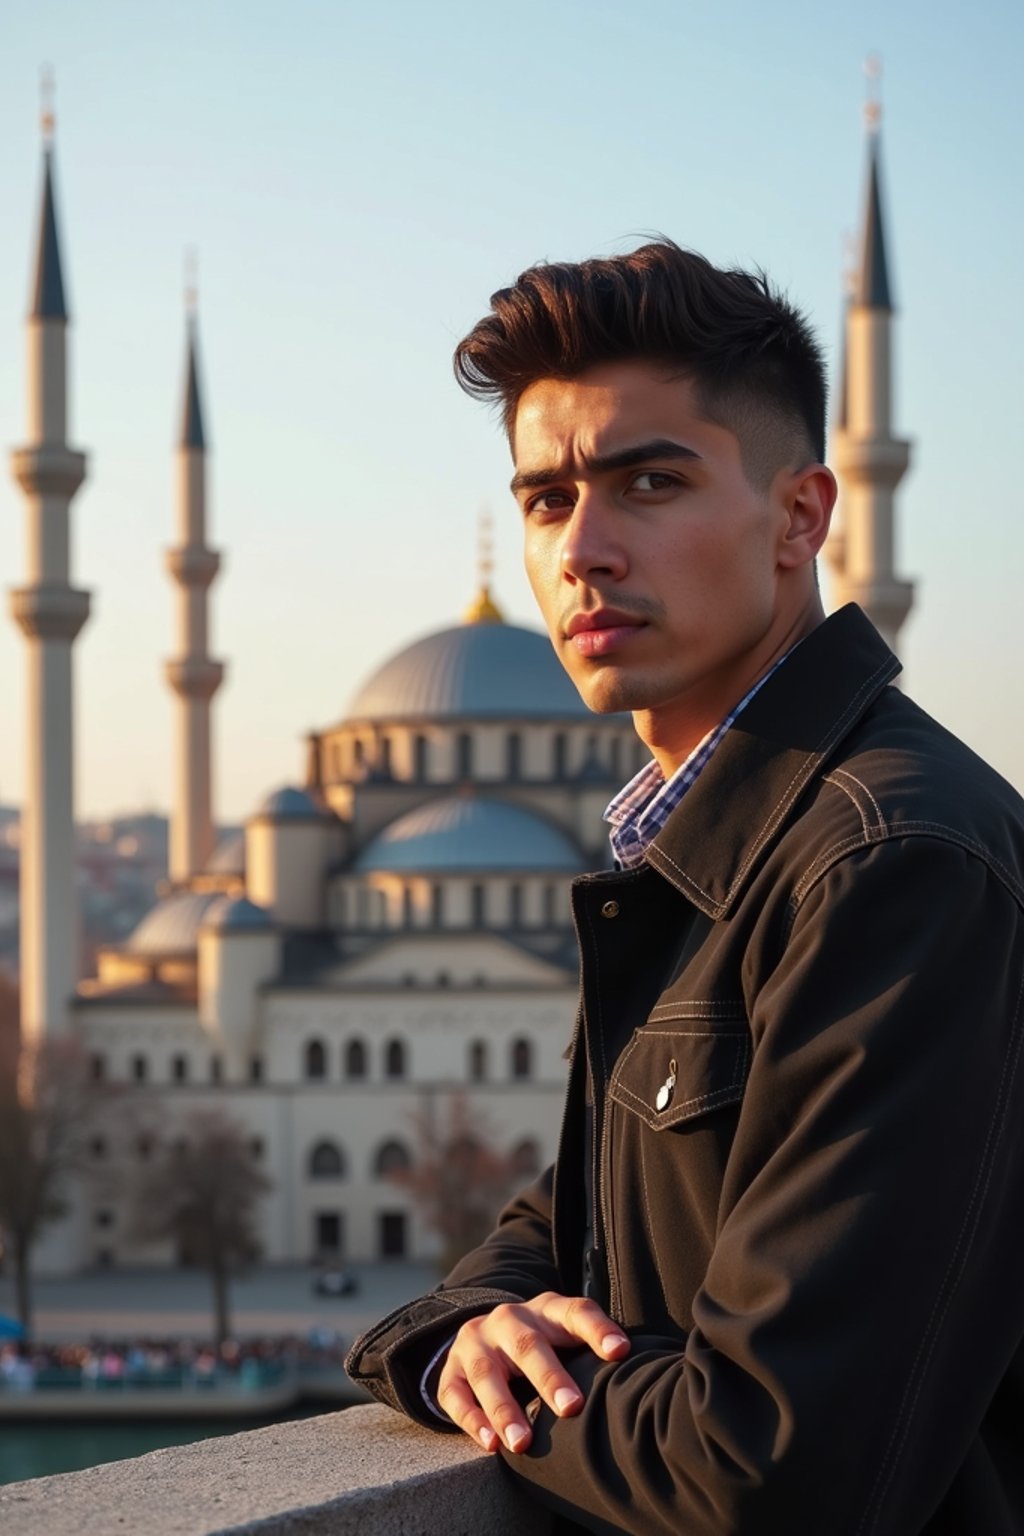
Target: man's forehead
(601, 412)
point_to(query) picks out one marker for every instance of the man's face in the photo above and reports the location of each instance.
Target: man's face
(652, 557)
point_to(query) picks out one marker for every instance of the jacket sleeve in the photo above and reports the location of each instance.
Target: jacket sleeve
(513, 1264)
(865, 1293)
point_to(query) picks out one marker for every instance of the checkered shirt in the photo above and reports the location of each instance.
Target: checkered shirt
(641, 809)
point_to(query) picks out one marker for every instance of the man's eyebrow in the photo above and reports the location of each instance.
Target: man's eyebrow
(639, 453)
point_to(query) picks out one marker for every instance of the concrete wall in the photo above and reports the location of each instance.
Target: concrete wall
(363, 1472)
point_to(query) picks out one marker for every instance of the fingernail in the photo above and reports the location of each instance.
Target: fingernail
(516, 1436)
(614, 1341)
(488, 1439)
(566, 1398)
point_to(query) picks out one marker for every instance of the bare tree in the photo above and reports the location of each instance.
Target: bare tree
(46, 1102)
(459, 1179)
(202, 1191)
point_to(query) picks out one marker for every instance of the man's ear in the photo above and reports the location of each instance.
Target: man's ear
(808, 495)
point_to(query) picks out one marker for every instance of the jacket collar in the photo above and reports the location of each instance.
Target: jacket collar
(710, 845)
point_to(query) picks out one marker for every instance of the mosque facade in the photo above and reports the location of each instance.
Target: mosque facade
(391, 936)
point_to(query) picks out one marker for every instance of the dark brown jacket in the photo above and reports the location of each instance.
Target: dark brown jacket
(817, 1245)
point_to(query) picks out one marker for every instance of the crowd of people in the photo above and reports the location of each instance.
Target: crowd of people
(185, 1363)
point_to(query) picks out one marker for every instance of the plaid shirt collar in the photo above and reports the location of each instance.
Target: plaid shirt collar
(642, 807)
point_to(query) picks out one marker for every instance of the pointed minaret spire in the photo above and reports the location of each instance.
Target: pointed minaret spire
(193, 674)
(48, 295)
(192, 416)
(50, 613)
(870, 460)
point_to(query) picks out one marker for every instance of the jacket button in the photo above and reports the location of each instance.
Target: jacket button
(610, 909)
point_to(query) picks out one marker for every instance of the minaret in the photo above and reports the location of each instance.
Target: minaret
(50, 613)
(870, 461)
(193, 675)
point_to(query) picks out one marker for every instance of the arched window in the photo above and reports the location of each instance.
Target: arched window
(437, 905)
(478, 905)
(463, 755)
(384, 757)
(316, 1059)
(358, 752)
(524, 1159)
(560, 750)
(392, 1157)
(140, 1069)
(406, 906)
(550, 904)
(521, 1057)
(326, 1161)
(477, 1061)
(216, 1069)
(514, 755)
(515, 906)
(98, 1147)
(394, 1059)
(355, 1059)
(419, 759)
(97, 1067)
(179, 1069)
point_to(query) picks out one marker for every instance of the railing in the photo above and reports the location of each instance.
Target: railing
(361, 1472)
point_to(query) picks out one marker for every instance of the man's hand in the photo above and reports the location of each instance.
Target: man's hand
(520, 1339)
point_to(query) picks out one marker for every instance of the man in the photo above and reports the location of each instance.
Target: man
(774, 1283)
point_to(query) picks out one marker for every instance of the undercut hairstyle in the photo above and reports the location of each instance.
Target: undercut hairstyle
(754, 362)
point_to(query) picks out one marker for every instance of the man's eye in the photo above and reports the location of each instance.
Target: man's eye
(654, 480)
(548, 501)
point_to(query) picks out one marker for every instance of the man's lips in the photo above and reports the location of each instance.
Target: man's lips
(602, 631)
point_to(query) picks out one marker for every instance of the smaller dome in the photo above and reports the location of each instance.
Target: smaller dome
(237, 914)
(172, 926)
(290, 804)
(228, 858)
(462, 832)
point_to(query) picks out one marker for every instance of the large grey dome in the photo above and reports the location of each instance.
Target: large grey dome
(479, 671)
(172, 926)
(460, 832)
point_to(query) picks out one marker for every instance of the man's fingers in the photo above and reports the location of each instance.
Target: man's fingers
(480, 1375)
(584, 1320)
(456, 1398)
(529, 1354)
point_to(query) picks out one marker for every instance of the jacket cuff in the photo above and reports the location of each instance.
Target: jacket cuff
(390, 1358)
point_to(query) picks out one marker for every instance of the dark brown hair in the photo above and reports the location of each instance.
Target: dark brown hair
(752, 357)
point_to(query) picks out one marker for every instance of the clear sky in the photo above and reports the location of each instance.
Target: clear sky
(357, 180)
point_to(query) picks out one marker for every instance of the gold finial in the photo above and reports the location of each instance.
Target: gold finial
(873, 103)
(48, 117)
(483, 609)
(191, 282)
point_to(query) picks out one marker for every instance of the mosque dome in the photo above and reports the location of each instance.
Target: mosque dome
(237, 914)
(290, 804)
(483, 669)
(466, 832)
(172, 926)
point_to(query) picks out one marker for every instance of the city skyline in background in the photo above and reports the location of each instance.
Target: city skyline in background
(356, 186)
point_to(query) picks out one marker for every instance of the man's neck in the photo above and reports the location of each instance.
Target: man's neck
(672, 731)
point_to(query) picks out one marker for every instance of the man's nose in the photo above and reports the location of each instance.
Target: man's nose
(593, 545)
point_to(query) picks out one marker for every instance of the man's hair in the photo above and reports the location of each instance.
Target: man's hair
(754, 362)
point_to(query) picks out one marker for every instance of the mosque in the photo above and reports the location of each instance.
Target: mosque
(393, 933)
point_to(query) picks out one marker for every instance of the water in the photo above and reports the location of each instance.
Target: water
(39, 1449)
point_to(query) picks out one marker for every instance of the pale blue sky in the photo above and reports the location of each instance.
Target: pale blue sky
(358, 179)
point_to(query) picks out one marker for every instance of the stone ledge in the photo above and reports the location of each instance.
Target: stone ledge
(360, 1472)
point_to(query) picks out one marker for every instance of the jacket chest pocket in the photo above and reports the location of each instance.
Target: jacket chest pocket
(679, 1067)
